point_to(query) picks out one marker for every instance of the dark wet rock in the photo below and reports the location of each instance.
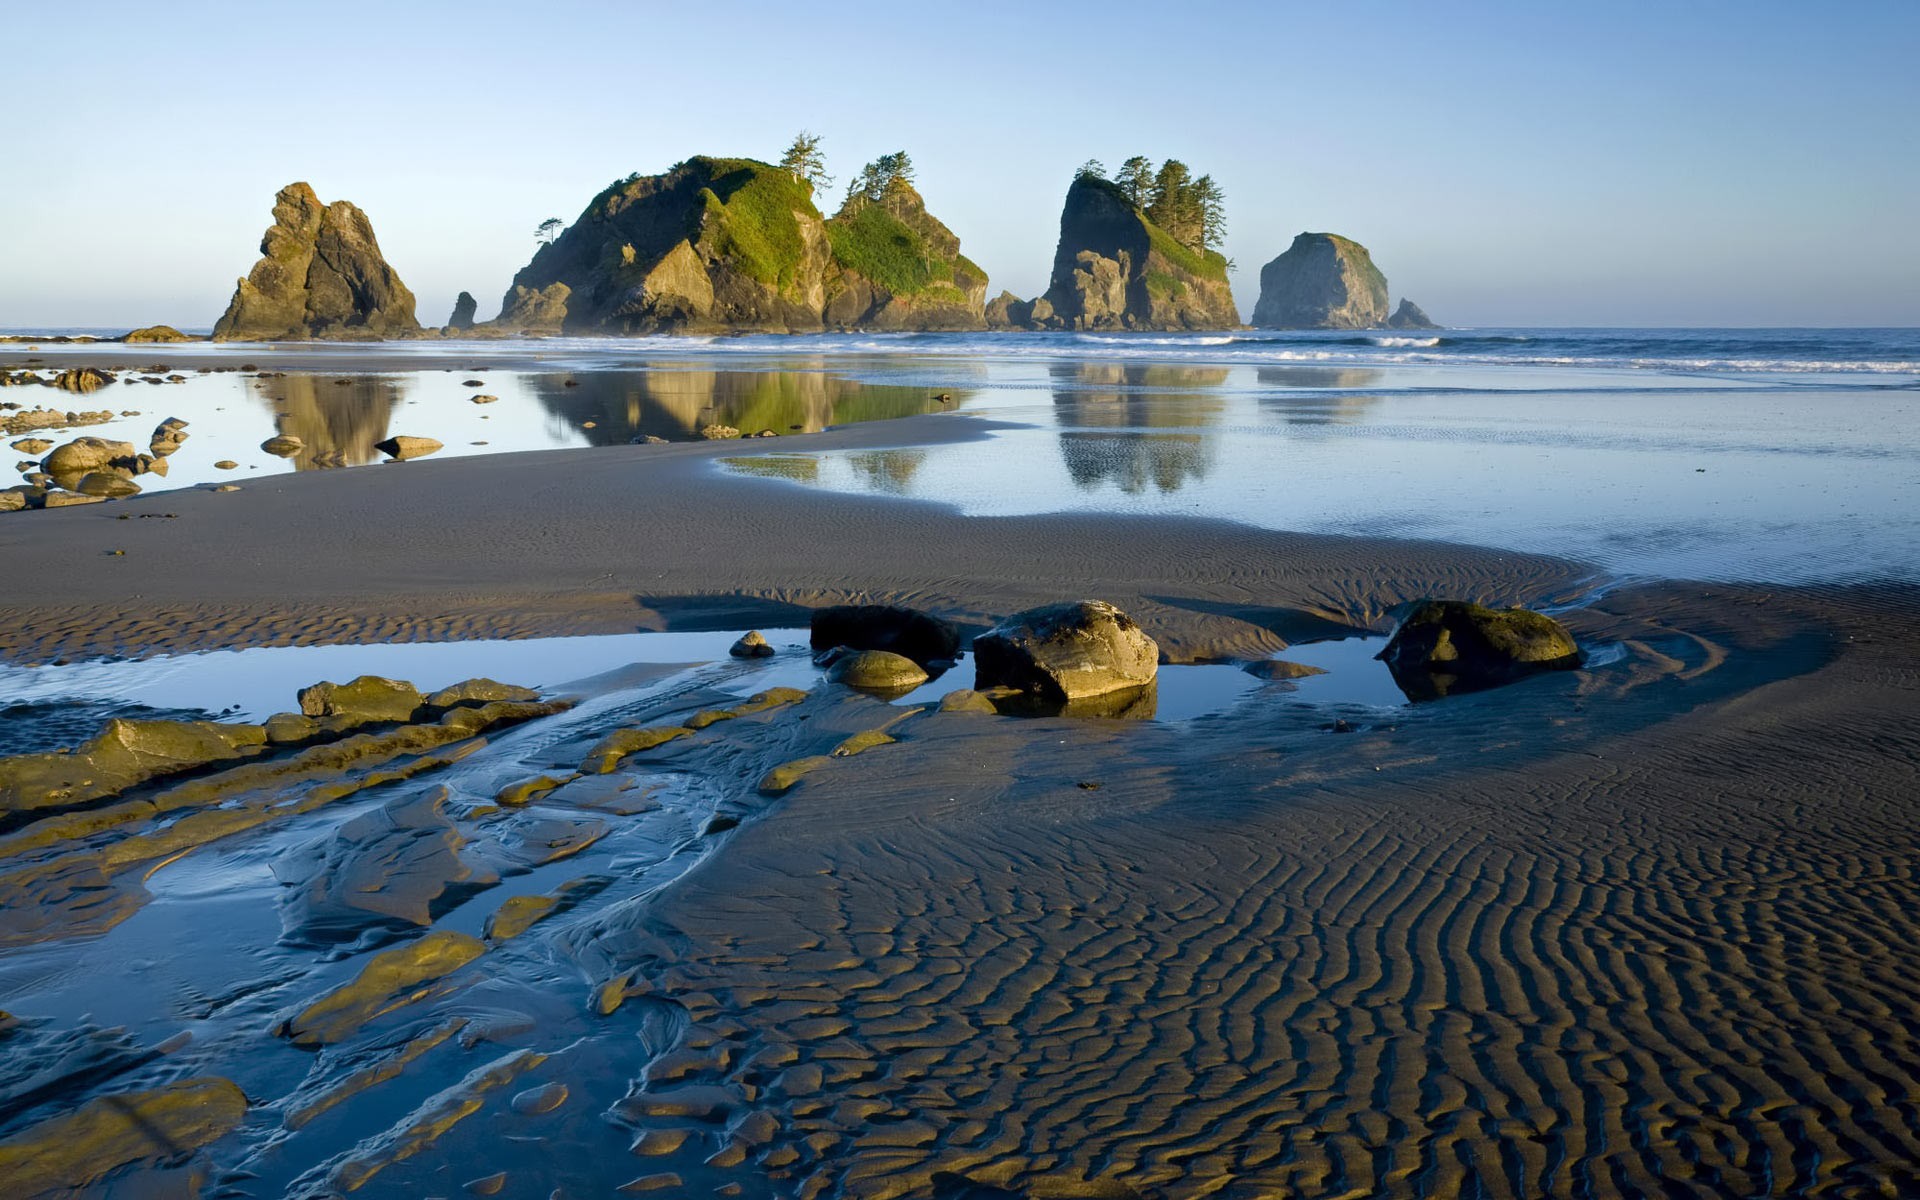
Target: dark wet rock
(877, 670)
(402, 447)
(751, 645)
(1443, 647)
(85, 454)
(892, 627)
(387, 977)
(82, 379)
(967, 700)
(321, 275)
(156, 333)
(1322, 281)
(369, 698)
(1071, 651)
(479, 691)
(284, 445)
(395, 867)
(464, 306)
(1409, 316)
(124, 754)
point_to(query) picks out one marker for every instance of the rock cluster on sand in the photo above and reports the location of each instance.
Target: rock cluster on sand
(733, 244)
(1064, 652)
(1325, 281)
(1447, 646)
(1115, 269)
(321, 275)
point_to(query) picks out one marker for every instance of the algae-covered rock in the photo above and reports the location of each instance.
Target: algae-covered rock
(82, 379)
(320, 275)
(479, 691)
(893, 627)
(877, 670)
(106, 484)
(1067, 652)
(1115, 269)
(1322, 281)
(80, 1148)
(156, 333)
(124, 754)
(402, 447)
(368, 698)
(783, 777)
(382, 985)
(1443, 647)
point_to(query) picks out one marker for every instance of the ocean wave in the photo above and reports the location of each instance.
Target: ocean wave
(1405, 341)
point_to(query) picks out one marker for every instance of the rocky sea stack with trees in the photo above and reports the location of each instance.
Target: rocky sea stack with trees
(728, 244)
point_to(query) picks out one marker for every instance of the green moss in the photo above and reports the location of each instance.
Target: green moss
(880, 246)
(1210, 265)
(751, 208)
(1164, 286)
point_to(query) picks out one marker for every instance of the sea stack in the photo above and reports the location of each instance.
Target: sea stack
(464, 307)
(1115, 269)
(1323, 281)
(1409, 316)
(321, 275)
(731, 245)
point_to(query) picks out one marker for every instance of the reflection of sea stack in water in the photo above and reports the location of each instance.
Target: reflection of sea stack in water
(678, 404)
(1105, 406)
(320, 275)
(337, 426)
(1325, 281)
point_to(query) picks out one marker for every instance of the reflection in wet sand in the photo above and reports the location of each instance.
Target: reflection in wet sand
(1333, 407)
(337, 421)
(1112, 416)
(887, 470)
(677, 404)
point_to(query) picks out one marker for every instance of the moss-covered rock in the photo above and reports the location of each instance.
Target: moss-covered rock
(1066, 652)
(72, 1151)
(727, 244)
(1115, 269)
(1444, 647)
(368, 698)
(1322, 281)
(123, 754)
(320, 275)
(390, 979)
(877, 670)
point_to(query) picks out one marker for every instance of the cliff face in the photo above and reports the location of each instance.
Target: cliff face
(718, 245)
(321, 275)
(1115, 269)
(1323, 281)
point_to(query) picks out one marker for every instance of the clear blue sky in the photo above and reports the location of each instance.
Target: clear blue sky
(1519, 163)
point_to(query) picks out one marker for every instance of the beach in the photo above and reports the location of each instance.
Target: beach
(1647, 927)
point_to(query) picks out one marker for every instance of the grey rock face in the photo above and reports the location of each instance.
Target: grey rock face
(1323, 281)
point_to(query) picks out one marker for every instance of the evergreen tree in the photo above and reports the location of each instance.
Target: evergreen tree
(1136, 180)
(1213, 213)
(1093, 168)
(549, 231)
(805, 161)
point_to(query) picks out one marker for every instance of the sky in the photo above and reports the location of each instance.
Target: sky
(1525, 163)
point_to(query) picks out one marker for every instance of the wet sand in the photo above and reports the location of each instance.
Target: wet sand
(1648, 928)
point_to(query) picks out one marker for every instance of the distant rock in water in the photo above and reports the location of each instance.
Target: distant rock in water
(1008, 311)
(464, 306)
(731, 244)
(1409, 316)
(321, 275)
(156, 333)
(1323, 281)
(1115, 269)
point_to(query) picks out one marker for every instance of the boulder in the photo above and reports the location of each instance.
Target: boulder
(753, 644)
(369, 698)
(82, 379)
(1008, 311)
(14, 499)
(464, 306)
(892, 627)
(320, 275)
(33, 445)
(1444, 647)
(106, 484)
(719, 433)
(284, 445)
(480, 691)
(156, 333)
(877, 670)
(1065, 652)
(1409, 316)
(85, 454)
(401, 447)
(1322, 281)
(226, 464)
